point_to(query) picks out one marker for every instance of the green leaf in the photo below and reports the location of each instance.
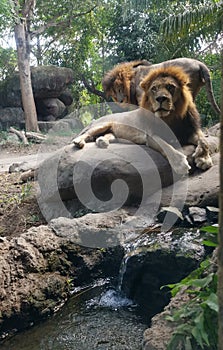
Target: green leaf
(210, 243)
(202, 282)
(210, 229)
(199, 331)
(212, 302)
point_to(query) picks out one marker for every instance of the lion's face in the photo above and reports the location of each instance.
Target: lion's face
(166, 92)
(163, 93)
(119, 93)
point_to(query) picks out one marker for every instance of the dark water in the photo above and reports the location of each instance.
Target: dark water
(97, 317)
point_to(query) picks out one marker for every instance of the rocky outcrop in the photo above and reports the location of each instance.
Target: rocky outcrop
(50, 88)
(40, 267)
(47, 82)
(97, 179)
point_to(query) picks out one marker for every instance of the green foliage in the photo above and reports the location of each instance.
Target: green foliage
(208, 116)
(8, 62)
(200, 20)
(196, 320)
(212, 236)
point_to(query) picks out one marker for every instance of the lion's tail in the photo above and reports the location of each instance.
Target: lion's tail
(206, 78)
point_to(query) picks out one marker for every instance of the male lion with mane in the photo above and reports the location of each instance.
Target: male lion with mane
(122, 83)
(166, 98)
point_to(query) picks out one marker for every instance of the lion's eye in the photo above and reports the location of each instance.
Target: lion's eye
(171, 88)
(153, 89)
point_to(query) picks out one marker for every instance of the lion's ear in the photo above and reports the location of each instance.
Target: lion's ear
(144, 84)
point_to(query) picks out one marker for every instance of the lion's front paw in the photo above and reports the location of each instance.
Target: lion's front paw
(79, 142)
(179, 163)
(101, 142)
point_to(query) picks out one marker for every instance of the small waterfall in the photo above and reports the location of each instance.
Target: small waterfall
(122, 271)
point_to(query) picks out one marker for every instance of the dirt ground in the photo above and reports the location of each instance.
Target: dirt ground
(19, 208)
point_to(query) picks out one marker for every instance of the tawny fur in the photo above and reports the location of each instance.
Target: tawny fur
(122, 83)
(186, 100)
(141, 127)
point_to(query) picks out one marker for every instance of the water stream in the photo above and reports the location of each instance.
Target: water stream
(96, 317)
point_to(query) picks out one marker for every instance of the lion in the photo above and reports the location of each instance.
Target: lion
(122, 83)
(166, 98)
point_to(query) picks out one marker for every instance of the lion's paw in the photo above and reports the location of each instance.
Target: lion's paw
(203, 163)
(101, 142)
(79, 142)
(201, 156)
(179, 163)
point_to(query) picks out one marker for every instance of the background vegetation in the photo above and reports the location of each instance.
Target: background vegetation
(93, 36)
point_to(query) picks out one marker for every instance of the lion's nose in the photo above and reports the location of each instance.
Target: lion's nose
(161, 99)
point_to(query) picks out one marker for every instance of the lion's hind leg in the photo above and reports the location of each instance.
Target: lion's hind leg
(103, 141)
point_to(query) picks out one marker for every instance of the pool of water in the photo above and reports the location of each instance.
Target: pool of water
(96, 317)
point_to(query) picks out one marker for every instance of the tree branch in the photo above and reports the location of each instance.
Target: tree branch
(28, 8)
(91, 88)
(54, 23)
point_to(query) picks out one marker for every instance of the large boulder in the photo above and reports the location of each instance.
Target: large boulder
(124, 174)
(100, 179)
(47, 82)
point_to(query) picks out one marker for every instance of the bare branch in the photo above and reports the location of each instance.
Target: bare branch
(20, 134)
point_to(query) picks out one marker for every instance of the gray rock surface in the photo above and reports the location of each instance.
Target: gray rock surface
(11, 116)
(107, 179)
(99, 179)
(50, 109)
(47, 82)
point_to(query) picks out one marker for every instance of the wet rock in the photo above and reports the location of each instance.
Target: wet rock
(36, 268)
(212, 214)
(159, 334)
(198, 215)
(157, 260)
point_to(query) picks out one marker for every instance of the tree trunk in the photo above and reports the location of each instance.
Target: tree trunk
(220, 247)
(23, 54)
